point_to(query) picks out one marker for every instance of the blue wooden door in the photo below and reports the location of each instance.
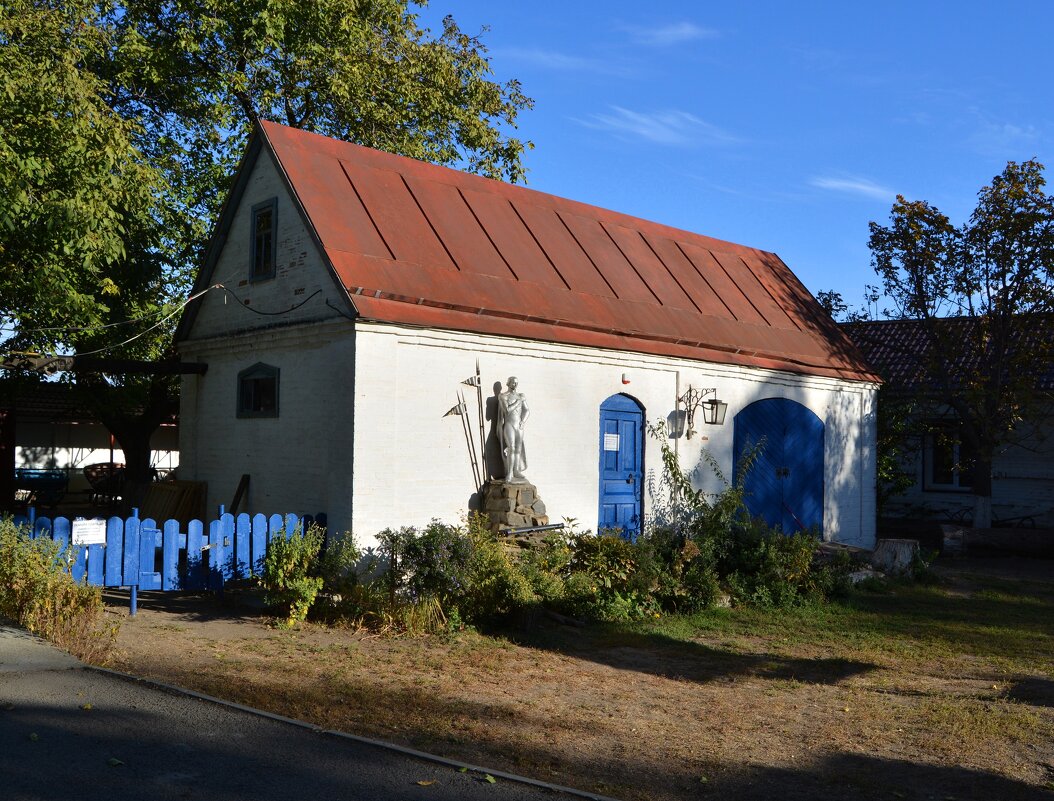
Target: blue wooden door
(785, 485)
(621, 464)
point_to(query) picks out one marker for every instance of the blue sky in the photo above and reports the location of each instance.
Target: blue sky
(785, 126)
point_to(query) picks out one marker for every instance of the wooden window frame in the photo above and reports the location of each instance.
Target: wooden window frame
(962, 479)
(262, 263)
(245, 401)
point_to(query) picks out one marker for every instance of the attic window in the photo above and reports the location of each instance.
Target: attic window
(264, 239)
(258, 391)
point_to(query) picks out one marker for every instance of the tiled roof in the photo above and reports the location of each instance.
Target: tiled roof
(899, 350)
(419, 244)
(49, 401)
(43, 401)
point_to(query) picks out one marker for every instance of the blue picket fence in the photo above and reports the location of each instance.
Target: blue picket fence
(141, 555)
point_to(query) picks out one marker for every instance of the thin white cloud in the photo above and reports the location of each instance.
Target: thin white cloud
(853, 185)
(668, 35)
(1005, 140)
(559, 62)
(671, 127)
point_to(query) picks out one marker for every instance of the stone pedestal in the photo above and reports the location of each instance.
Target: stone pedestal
(512, 505)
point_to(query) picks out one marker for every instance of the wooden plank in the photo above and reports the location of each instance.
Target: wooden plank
(194, 578)
(96, 563)
(216, 556)
(130, 561)
(229, 546)
(42, 527)
(242, 546)
(149, 579)
(60, 533)
(291, 524)
(170, 555)
(77, 559)
(275, 526)
(114, 552)
(259, 543)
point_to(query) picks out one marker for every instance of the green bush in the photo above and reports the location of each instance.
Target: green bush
(344, 596)
(434, 562)
(289, 578)
(38, 592)
(462, 569)
(772, 569)
(706, 543)
(495, 587)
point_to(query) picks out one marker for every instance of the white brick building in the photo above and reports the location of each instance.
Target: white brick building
(362, 288)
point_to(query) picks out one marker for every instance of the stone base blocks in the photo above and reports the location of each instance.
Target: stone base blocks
(512, 505)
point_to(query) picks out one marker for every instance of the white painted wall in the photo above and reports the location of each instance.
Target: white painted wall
(412, 463)
(299, 461)
(370, 403)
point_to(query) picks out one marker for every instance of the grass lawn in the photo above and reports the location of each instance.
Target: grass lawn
(916, 692)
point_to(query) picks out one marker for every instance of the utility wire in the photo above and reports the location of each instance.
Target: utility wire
(169, 316)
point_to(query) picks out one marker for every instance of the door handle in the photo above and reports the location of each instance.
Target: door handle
(630, 479)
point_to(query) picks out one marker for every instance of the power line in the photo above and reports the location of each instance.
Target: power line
(169, 316)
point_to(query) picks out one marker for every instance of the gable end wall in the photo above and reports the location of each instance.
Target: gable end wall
(301, 275)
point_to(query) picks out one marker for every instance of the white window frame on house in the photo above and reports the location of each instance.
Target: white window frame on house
(263, 244)
(946, 461)
(254, 398)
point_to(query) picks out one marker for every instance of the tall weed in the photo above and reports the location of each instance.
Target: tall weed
(39, 594)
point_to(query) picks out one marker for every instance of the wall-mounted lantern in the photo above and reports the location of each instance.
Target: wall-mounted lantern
(713, 410)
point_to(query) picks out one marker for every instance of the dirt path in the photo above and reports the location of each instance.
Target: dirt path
(637, 716)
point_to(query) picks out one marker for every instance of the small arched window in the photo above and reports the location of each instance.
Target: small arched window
(258, 391)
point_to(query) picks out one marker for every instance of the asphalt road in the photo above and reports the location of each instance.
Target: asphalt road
(74, 733)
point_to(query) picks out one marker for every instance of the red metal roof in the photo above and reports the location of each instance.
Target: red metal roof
(419, 244)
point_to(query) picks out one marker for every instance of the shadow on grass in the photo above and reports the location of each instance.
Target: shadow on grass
(859, 776)
(671, 658)
(194, 606)
(240, 756)
(1034, 691)
(995, 619)
(537, 743)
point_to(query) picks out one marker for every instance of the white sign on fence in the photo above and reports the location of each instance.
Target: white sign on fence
(88, 532)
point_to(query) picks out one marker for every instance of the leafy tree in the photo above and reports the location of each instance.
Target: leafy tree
(897, 423)
(127, 147)
(979, 291)
(73, 186)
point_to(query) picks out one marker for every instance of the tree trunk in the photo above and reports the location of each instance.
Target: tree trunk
(982, 493)
(134, 437)
(133, 426)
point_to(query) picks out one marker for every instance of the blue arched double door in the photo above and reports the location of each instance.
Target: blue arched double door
(621, 464)
(785, 485)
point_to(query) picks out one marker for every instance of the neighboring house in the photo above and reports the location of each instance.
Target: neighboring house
(936, 456)
(365, 288)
